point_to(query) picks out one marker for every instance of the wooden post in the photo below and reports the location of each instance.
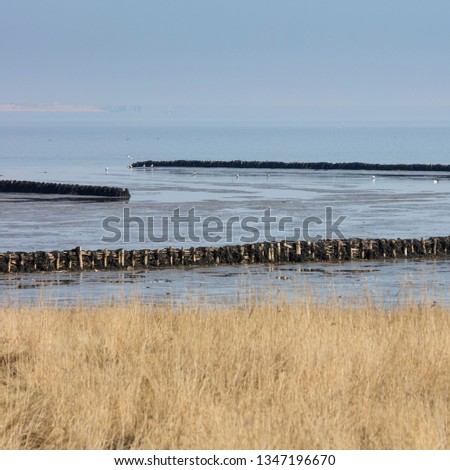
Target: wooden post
(306, 249)
(242, 253)
(80, 257)
(48, 261)
(105, 258)
(181, 256)
(329, 249)
(145, 258)
(271, 253)
(287, 251)
(259, 252)
(278, 251)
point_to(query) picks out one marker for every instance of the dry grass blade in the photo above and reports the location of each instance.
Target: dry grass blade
(283, 375)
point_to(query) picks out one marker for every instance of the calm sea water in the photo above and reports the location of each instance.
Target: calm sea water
(392, 205)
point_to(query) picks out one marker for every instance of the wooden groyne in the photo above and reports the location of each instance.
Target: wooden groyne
(265, 252)
(106, 192)
(292, 165)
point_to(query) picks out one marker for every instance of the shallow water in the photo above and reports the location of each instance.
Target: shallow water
(391, 206)
(394, 204)
(387, 283)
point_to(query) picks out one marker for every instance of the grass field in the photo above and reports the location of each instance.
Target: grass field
(273, 375)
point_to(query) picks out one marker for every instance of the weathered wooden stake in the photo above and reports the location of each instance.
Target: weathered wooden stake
(80, 257)
(145, 258)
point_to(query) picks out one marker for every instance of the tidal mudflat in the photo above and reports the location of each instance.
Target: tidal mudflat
(390, 205)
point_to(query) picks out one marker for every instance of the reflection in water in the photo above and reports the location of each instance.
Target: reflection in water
(385, 282)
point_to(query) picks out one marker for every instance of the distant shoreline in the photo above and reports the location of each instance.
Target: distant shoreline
(52, 108)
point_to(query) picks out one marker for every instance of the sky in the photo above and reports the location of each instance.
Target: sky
(384, 55)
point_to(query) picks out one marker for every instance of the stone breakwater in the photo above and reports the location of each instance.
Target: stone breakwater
(106, 192)
(292, 165)
(265, 252)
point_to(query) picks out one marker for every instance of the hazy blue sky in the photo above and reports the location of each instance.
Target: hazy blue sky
(314, 53)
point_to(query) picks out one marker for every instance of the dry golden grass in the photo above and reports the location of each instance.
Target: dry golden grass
(282, 375)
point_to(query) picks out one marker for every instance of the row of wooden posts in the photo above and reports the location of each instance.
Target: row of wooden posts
(265, 252)
(293, 165)
(38, 187)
